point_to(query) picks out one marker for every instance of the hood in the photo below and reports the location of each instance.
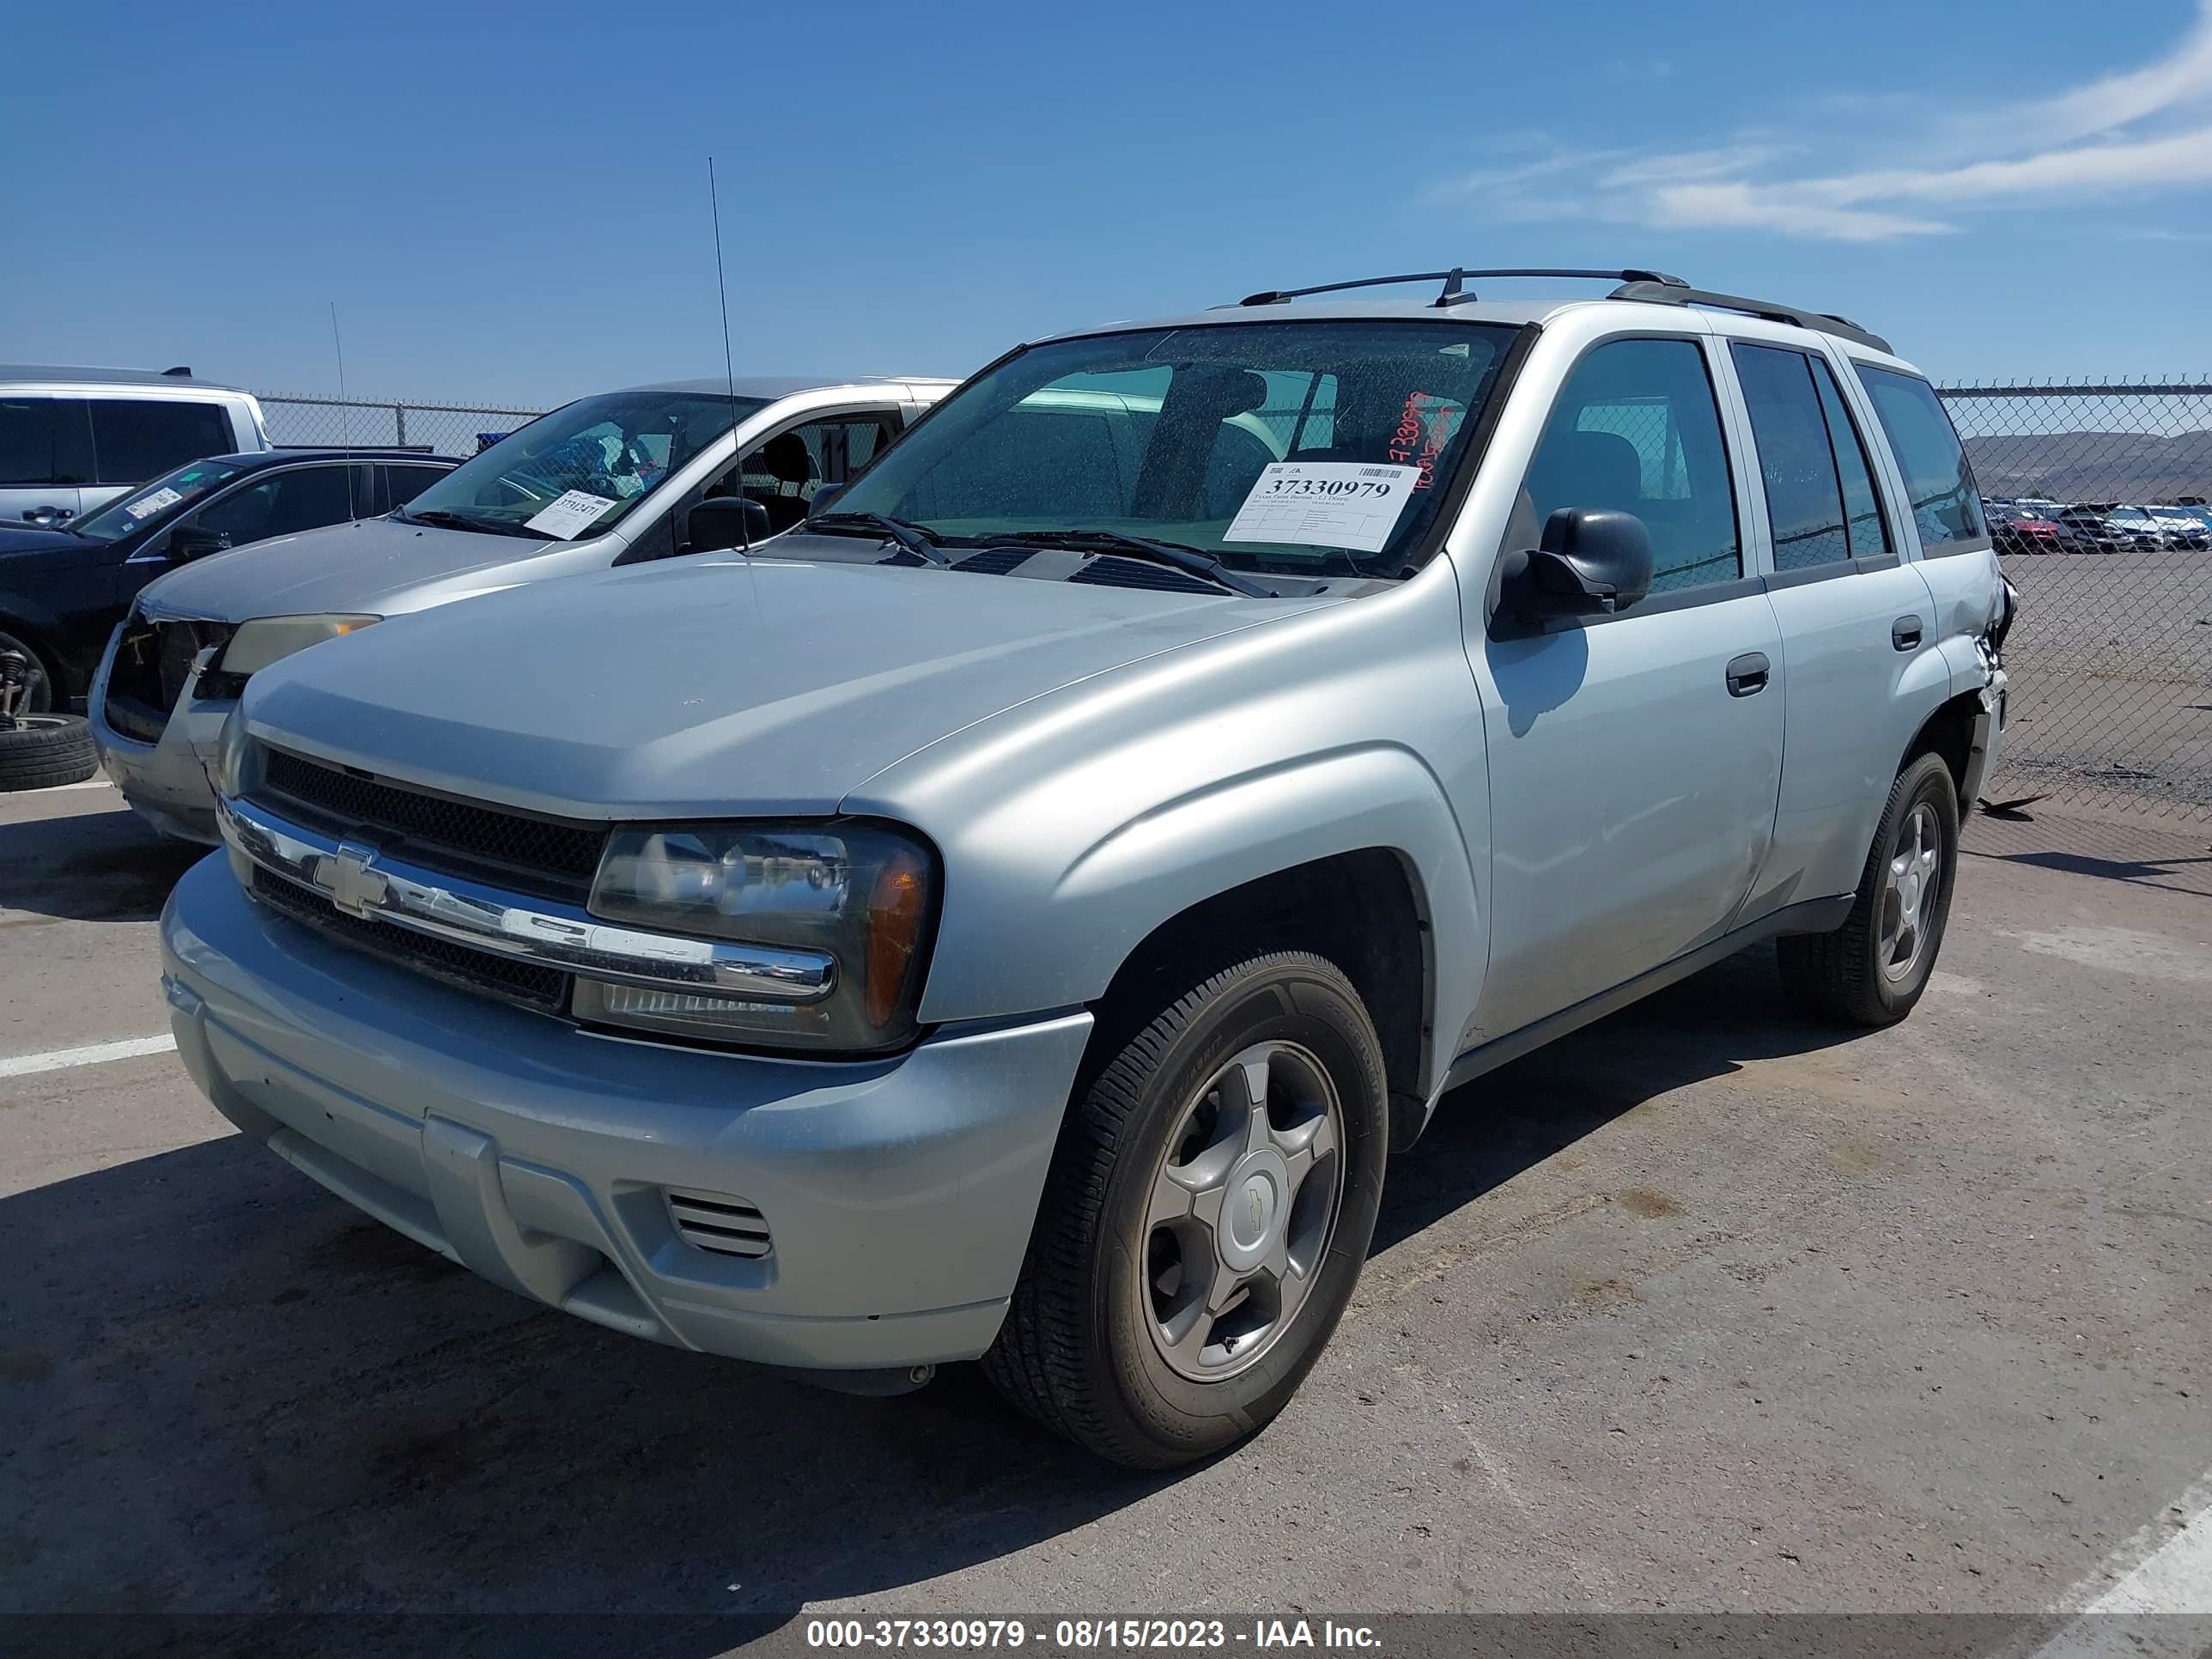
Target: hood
(30, 540)
(709, 687)
(375, 566)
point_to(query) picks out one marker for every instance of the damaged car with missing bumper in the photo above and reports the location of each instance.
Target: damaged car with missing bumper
(1015, 914)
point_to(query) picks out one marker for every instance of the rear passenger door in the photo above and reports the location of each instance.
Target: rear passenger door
(1856, 620)
(45, 458)
(1634, 757)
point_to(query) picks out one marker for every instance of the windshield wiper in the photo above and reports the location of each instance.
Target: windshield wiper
(1189, 560)
(911, 537)
(438, 515)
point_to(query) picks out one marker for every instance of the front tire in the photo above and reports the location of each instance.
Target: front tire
(1207, 1214)
(1871, 970)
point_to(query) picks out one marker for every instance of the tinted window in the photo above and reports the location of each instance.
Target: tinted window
(284, 504)
(45, 441)
(134, 441)
(404, 484)
(1946, 506)
(1797, 460)
(1869, 536)
(1636, 429)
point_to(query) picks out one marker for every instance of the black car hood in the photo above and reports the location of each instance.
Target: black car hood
(31, 539)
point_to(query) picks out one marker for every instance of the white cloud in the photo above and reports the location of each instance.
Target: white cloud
(2085, 150)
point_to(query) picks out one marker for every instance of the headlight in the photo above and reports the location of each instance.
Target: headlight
(270, 639)
(229, 779)
(862, 894)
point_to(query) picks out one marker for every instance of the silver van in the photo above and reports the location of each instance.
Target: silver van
(74, 439)
(607, 480)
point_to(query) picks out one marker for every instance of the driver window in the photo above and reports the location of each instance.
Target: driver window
(784, 473)
(1636, 430)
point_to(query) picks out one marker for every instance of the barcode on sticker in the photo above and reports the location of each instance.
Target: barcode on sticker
(1377, 472)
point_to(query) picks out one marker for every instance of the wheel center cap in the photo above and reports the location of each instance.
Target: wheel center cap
(1252, 1213)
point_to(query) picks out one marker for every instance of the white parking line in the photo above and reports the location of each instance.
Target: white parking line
(60, 1059)
(2174, 1578)
(88, 783)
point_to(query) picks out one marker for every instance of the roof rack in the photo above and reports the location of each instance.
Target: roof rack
(1454, 289)
(1653, 286)
(1679, 294)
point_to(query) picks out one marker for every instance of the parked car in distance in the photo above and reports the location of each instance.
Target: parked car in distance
(2177, 529)
(609, 480)
(1014, 913)
(2099, 529)
(74, 439)
(2017, 528)
(63, 590)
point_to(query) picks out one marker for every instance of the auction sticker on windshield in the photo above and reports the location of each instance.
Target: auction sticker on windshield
(1325, 504)
(154, 503)
(570, 515)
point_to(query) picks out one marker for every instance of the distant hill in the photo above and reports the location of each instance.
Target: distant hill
(2093, 466)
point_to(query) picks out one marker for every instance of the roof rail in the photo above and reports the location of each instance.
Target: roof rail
(1454, 280)
(1679, 294)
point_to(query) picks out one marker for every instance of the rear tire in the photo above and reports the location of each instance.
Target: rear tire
(1142, 1329)
(1871, 970)
(42, 750)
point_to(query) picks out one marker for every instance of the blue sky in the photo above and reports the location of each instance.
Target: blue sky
(508, 203)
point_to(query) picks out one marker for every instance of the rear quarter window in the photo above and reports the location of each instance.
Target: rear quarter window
(1940, 482)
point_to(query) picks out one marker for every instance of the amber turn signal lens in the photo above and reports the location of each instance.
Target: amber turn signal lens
(895, 916)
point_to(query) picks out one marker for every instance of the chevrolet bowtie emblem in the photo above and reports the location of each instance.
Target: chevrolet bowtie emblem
(347, 875)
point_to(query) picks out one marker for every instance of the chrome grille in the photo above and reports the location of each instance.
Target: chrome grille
(717, 1222)
(550, 857)
(544, 989)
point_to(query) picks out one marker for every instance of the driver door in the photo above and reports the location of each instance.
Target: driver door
(1634, 758)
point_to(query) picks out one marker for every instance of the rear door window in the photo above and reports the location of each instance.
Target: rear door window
(1938, 479)
(46, 441)
(135, 440)
(403, 484)
(1797, 457)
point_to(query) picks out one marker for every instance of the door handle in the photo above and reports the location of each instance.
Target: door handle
(1904, 634)
(1747, 674)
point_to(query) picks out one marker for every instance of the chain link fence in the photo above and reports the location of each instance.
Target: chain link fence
(2097, 498)
(435, 429)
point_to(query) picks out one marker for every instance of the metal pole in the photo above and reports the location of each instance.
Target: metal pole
(400, 422)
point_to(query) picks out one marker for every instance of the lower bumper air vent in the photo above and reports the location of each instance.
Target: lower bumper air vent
(717, 1222)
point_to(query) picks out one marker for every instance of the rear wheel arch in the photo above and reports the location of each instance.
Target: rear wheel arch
(1949, 732)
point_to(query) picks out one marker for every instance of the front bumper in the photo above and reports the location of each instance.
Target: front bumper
(899, 1195)
(164, 782)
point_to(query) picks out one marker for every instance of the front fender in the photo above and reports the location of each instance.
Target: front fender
(1144, 871)
(1073, 826)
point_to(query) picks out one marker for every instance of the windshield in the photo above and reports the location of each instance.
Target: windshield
(1282, 446)
(577, 472)
(159, 501)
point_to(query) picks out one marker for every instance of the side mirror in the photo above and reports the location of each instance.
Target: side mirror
(827, 493)
(1593, 562)
(721, 522)
(189, 542)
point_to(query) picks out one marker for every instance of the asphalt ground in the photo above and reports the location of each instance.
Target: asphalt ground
(1706, 1309)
